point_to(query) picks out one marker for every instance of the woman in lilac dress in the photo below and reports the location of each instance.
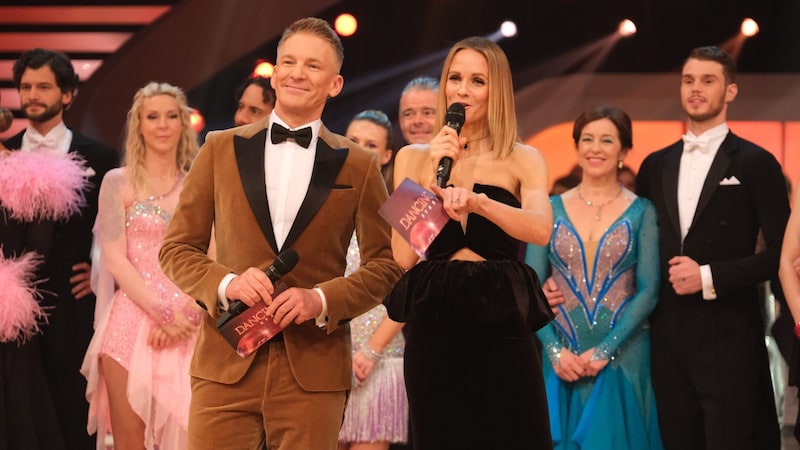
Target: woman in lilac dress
(138, 362)
(603, 255)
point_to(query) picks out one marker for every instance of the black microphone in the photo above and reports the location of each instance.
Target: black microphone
(283, 264)
(454, 119)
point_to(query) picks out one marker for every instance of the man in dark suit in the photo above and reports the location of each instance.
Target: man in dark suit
(282, 182)
(47, 83)
(713, 191)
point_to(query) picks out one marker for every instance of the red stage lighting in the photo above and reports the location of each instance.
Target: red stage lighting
(197, 120)
(263, 69)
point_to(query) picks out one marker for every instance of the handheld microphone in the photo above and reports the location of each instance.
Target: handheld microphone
(283, 264)
(454, 119)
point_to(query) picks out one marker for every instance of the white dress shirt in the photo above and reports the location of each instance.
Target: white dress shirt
(287, 169)
(694, 167)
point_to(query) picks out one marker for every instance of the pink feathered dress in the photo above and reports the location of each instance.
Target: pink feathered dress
(158, 379)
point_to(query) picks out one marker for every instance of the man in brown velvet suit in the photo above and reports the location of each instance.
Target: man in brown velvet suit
(283, 182)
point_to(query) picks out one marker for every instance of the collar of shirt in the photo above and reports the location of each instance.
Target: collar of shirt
(57, 140)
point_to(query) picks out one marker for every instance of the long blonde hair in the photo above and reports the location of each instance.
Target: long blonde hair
(502, 113)
(134, 142)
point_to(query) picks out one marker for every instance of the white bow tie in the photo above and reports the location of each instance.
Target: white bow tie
(692, 143)
(38, 142)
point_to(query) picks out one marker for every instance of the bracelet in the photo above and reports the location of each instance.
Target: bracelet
(797, 329)
(371, 354)
(194, 316)
(165, 315)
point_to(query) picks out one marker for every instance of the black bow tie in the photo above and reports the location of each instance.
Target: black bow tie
(280, 133)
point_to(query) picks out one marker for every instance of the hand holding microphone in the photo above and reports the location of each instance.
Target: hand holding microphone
(251, 285)
(454, 119)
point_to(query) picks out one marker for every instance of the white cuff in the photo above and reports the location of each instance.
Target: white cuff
(322, 318)
(709, 293)
(222, 301)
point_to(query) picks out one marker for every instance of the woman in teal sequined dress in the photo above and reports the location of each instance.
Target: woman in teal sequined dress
(603, 260)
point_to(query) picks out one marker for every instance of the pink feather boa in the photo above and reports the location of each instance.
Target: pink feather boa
(20, 313)
(42, 185)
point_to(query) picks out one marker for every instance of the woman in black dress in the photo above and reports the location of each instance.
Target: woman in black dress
(473, 372)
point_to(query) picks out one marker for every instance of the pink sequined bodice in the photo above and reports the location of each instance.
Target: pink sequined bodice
(146, 225)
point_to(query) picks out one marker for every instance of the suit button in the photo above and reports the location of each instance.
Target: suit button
(723, 223)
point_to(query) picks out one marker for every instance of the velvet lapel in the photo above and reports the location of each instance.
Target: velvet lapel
(327, 164)
(250, 159)
(719, 167)
(669, 180)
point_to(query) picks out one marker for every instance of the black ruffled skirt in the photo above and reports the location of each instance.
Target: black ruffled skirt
(473, 372)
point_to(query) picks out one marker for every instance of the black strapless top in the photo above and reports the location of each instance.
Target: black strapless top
(482, 236)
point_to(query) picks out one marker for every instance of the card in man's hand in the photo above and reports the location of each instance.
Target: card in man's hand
(253, 328)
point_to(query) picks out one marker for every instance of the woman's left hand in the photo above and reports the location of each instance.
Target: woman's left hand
(362, 366)
(457, 201)
(159, 338)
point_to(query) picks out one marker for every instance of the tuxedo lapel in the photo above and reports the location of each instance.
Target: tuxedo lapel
(669, 180)
(250, 159)
(719, 167)
(327, 163)
(14, 142)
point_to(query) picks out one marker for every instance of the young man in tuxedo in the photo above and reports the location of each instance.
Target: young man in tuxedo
(47, 84)
(714, 193)
(282, 182)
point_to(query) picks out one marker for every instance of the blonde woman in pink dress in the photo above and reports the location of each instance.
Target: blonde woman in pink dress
(138, 362)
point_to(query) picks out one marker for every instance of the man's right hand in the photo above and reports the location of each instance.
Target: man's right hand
(554, 296)
(251, 287)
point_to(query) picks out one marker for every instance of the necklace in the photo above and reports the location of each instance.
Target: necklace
(600, 206)
(466, 146)
(178, 180)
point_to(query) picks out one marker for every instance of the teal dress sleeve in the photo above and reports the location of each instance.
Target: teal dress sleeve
(537, 256)
(647, 285)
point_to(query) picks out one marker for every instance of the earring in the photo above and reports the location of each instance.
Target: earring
(620, 164)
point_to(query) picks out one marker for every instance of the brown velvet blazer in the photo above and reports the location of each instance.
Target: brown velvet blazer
(225, 188)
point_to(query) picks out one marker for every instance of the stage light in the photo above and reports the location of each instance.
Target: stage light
(626, 28)
(263, 69)
(508, 29)
(749, 27)
(197, 120)
(346, 25)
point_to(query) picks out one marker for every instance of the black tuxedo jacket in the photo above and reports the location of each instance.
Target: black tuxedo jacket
(744, 193)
